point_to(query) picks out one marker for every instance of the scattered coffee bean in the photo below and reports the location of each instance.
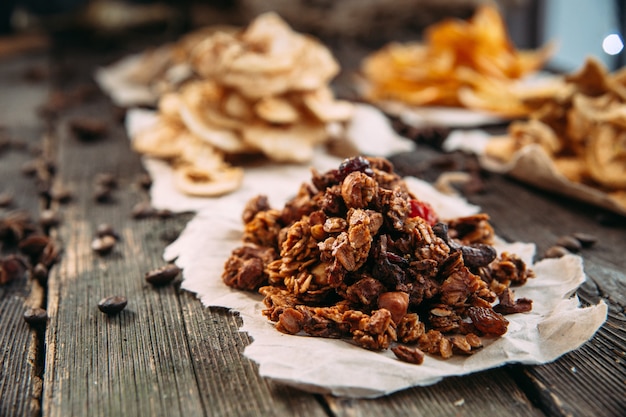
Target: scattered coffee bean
(163, 275)
(40, 273)
(106, 229)
(144, 181)
(36, 317)
(87, 128)
(106, 179)
(49, 218)
(6, 199)
(570, 243)
(112, 305)
(142, 210)
(12, 267)
(555, 252)
(34, 245)
(164, 214)
(29, 168)
(585, 239)
(102, 194)
(103, 245)
(61, 194)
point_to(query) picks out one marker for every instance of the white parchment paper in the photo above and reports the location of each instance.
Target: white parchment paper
(531, 165)
(556, 325)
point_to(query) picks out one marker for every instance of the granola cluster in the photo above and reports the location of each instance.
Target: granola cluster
(356, 255)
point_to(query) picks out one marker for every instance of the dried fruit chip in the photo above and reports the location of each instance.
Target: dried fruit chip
(470, 63)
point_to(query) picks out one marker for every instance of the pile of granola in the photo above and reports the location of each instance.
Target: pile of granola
(356, 255)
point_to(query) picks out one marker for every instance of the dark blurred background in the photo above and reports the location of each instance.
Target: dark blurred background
(580, 27)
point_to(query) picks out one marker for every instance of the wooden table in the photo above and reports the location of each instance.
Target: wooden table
(166, 354)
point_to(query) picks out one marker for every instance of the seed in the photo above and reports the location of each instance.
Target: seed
(163, 275)
(36, 316)
(585, 239)
(103, 245)
(555, 252)
(570, 243)
(112, 305)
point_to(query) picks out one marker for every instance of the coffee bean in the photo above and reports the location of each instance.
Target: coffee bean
(105, 229)
(61, 194)
(33, 245)
(585, 239)
(102, 194)
(87, 128)
(40, 273)
(142, 210)
(29, 168)
(106, 179)
(36, 316)
(6, 199)
(570, 243)
(49, 218)
(163, 275)
(144, 181)
(103, 245)
(555, 252)
(112, 305)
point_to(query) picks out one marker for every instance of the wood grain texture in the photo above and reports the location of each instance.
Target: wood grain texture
(165, 354)
(20, 360)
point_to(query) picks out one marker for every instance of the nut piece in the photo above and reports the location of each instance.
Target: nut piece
(397, 302)
(163, 275)
(112, 305)
(408, 354)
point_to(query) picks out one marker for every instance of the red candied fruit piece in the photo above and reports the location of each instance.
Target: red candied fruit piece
(423, 210)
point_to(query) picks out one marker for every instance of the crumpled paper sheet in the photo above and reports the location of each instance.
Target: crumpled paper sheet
(530, 165)
(117, 82)
(556, 325)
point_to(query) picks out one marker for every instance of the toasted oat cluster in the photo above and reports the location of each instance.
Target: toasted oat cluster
(259, 90)
(356, 255)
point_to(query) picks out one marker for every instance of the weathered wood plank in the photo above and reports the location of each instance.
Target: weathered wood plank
(156, 356)
(20, 360)
(485, 393)
(591, 380)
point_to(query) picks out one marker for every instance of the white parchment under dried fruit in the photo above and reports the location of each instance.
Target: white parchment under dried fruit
(368, 132)
(532, 166)
(556, 325)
